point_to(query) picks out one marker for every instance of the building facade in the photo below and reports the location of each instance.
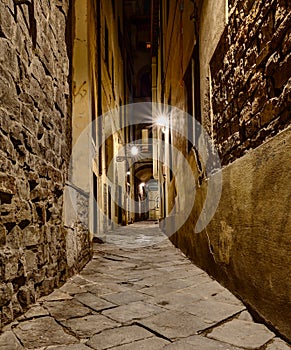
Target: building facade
(35, 131)
(227, 64)
(63, 85)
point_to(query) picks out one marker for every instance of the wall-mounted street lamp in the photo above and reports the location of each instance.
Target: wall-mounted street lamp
(134, 150)
(162, 120)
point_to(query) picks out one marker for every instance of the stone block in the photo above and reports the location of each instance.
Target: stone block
(8, 341)
(252, 127)
(47, 286)
(94, 302)
(30, 260)
(2, 235)
(281, 12)
(5, 121)
(153, 343)
(7, 22)
(286, 45)
(46, 56)
(269, 112)
(9, 57)
(88, 326)
(118, 336)
(267, 30)
(38, 194)
(174, 324)
(29, 119)
(283, 73)
(7, 313)
(32, 236)
(38, 276)
(212, 312)
(132, 311)
(6, 292)
(41, 167)
(9, 260)
(124, 297)
(7, 183)
(14, 238)
(242, 333)
(63, 310)
(26, 296)
(42, 332)
(199, 342)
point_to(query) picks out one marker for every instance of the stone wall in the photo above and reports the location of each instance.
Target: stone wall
(35, 129)
(250, 73)
(245, 94)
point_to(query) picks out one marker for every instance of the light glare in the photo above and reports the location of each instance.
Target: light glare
(134, 150)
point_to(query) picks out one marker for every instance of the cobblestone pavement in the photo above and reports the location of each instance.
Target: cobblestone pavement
(133, 296)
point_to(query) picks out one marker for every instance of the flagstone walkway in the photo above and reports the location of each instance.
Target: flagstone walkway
(139, 292)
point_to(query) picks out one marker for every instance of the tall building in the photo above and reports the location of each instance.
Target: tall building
(225, 70)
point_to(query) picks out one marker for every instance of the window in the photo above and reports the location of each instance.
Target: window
(93, 114)
(170, 155)
(168, 10)
(192, 84)
(95, 205)
(120, 114)
(106, 58)
(100, 133)
(112, 77)
(120, 37)
(109, 203)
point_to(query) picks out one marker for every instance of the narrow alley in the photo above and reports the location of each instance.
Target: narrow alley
(132, 298)
(145, 170)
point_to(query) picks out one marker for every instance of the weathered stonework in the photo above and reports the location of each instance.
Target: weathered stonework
(250, 72)
(35, 146)
(244, 78)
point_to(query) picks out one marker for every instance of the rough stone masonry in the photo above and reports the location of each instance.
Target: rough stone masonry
(35, 126)
(251, 76)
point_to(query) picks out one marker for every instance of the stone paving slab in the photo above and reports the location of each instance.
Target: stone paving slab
(167, 287)
(72, 288)
(64, 310)
(34, 311)
(88, 326)
(199, 343)
(124, 297)
(236, 332)
(137, 297)
(42, 331)
(212, 311)
(118, 336)
(104, 288)
(71, 347)
(146, 344)
(56, 296)
(174, 324)
(132, 312)
(93, 302)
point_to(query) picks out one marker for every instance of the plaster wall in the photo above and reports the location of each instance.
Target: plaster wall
(245, 105)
